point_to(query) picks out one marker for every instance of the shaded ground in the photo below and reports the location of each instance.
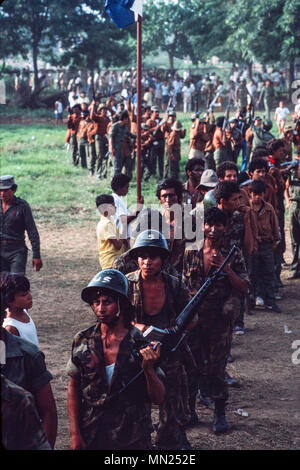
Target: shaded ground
(269, 380)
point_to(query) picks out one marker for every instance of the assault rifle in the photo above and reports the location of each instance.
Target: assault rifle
(226, 121)
(171, 338)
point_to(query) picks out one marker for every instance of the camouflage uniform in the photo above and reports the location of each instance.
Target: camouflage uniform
(118, 134)
(177, 296)
(25, 363)
(20, 422)
(108, 420)
(181, 239)
(210, 340)
(294, 219)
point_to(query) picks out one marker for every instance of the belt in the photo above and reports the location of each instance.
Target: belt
(11, 241)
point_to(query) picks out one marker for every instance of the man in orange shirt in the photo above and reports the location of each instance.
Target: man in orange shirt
(176, 134)
(158, 145)
(73, 121)
(101, 143)
(222, 142)
(198, 137)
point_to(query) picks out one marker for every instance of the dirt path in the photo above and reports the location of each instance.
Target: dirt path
(269, 380)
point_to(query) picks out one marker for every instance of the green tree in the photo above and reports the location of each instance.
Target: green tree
(94, 36)
(167, 26)
(39, 25)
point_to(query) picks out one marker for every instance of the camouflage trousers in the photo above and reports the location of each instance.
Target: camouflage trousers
(169, 430)
(211, 344)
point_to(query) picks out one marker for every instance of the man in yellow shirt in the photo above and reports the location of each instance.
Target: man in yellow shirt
(111, 244)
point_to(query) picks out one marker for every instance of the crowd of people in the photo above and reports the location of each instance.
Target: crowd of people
(151, 263)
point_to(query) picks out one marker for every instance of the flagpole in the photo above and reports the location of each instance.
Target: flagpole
(139, 109)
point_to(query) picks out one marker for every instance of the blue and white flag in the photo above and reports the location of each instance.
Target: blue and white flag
(124, 12)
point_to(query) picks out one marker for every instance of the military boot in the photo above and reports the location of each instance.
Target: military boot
(205, 399)
(220, 424)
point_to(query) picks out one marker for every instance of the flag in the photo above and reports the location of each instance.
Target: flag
(124, 12)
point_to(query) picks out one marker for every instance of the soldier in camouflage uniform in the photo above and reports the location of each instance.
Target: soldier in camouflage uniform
(293, 197)
(118, 134)
(158, 299)
(20, 423)
(105, 357)
(210, 340)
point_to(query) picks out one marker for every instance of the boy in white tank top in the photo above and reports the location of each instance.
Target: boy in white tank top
(17, 299)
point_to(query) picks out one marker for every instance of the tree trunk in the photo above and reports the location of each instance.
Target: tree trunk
(249, 68)
(291, 75)
(171, 60)
(35, 66)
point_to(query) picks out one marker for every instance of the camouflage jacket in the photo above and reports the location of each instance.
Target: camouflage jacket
(122, 419)
(185, 232)
(24, 363)
(222, 298)
(235, 231)
(177, 297)
(20, 423)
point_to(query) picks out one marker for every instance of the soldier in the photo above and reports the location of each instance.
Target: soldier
(268, 98)
(166, 128)
(210, 340)
(180, 227)
(209, 149)
(221, 142)
(16, 218)
(101, 141)
(118, 133)
(249, 136)
(241, 94)
(177, 133)
(158, 145)
(261, 135)
(82, 141)
(236, 139)
(91, 148)
(146, 141)
(194, 169)
(293, 206)
(21, 425)
(24, 365)
(158, 298)
(105, 357)
(287, 139)
(73, 121)
(198, 137)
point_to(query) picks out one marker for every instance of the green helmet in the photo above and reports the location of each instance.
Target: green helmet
(110, 279)
(209, 200)
(150, 239)
(267, 124)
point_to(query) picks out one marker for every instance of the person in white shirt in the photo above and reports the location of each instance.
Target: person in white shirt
(16, 299)
(281, 113)
(122, 217)
(187, 93)
(58, 111)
